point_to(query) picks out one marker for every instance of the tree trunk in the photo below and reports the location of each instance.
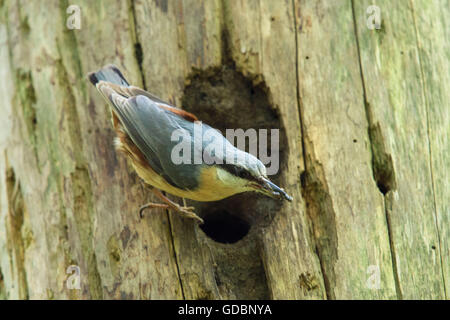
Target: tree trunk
(364, 150)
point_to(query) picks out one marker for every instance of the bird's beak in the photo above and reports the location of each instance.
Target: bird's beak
(272, 190)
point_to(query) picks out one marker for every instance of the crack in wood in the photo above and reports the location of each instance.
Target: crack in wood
(325, 278)
(138, 52)
(382, 167)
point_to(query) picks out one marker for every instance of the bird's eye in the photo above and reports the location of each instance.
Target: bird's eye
(244, 174)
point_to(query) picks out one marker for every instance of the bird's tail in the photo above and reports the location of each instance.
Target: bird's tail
(109, 73)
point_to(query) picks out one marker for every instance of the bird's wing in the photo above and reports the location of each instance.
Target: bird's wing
(117, 82)
(135, 91)
(150, 127)
(132, 91)
(149, 121)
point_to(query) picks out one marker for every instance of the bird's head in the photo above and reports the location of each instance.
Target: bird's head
(247, 173)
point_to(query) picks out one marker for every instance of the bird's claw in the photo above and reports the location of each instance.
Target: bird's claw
(189, 213)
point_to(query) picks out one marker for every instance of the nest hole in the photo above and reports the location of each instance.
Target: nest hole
(224, 227)
(224, 98)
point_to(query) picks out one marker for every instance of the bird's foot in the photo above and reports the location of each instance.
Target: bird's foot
(183, 210)
(150, 206)
(188, 212)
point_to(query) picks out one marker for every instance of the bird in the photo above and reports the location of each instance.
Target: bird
(145, 124)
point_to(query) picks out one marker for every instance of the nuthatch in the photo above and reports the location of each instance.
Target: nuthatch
(144, 125)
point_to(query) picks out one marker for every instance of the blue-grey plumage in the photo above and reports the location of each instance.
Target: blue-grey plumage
(146, 125)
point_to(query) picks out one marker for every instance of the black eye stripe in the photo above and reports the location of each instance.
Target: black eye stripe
(243, 174)
(231, 168)
(238, 171)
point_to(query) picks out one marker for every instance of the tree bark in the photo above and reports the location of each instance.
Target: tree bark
(364, 150)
